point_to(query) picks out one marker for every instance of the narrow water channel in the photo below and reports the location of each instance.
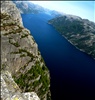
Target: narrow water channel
(72, 71)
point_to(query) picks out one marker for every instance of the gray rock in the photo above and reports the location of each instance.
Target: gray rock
(21, 63)
(10, 8)
(11, 91)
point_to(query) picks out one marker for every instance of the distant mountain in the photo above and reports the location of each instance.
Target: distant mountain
(80, 32)
(26, 7)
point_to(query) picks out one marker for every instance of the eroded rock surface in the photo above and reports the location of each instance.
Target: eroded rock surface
(21, 63)
(11, 91)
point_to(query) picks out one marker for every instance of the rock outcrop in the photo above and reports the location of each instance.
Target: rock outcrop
(24, 74)
(11, 9)
(11, 91)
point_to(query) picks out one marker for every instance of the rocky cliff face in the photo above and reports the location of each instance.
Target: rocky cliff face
(23, 70)
(11, 91)
(11, 9)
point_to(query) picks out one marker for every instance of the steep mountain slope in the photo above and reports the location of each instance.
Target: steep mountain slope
(25, 7)
(80, 32)
(22, 67)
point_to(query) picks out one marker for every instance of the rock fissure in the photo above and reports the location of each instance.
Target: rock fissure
(24, 75)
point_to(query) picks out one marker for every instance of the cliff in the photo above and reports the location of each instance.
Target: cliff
(24, 74)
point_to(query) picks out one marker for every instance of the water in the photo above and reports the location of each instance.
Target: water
(72, 71)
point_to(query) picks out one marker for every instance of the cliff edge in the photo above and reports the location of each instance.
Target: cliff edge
(24, 74)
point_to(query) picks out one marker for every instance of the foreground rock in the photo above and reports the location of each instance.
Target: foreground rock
(11, 91)
(23, 71)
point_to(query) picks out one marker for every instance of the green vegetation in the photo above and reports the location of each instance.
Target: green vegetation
(79, 32)
(8, 24)
(28, 53)
(9, 33)
(16, 44)
(39, 76)
(4, 16)
(67, 26)
(18, 30)
(22, 55)
(3, 66)
(36, 78)
(25, 35)
(20, 51)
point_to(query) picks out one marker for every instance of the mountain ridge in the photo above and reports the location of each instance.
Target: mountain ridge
(32, 8)
(79, 32)
(35, 8)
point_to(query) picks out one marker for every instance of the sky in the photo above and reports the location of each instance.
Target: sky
(84, 9)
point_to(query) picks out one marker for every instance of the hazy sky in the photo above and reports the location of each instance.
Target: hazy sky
(84, 9)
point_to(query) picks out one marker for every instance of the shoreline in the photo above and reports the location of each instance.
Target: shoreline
(77, 47)
(71, 42)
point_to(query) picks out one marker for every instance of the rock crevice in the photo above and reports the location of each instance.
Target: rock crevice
(24, 75)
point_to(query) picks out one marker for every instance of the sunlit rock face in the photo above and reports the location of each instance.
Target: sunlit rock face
(24, 75)
(10, 8)
(11, 91)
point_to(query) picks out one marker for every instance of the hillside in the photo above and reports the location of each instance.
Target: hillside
(24, 74)
(80, 32)
(25, 7)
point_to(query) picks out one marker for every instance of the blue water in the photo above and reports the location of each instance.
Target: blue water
(72, 71)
